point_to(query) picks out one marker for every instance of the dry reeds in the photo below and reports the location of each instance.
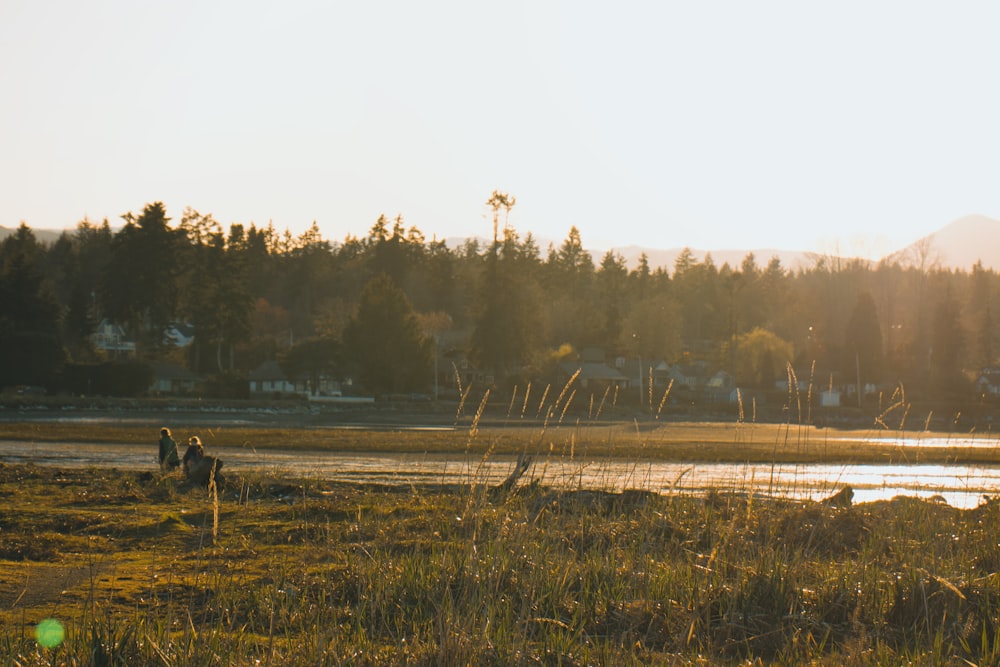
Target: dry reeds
(357, 574)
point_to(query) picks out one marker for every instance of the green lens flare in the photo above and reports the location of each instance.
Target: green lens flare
(49, 633)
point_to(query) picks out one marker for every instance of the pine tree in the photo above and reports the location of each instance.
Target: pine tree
(385, 343)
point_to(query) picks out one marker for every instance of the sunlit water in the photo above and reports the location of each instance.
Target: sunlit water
(958, 485)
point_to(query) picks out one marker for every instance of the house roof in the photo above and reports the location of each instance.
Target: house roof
(687, 371)
(631, 367)
(590, 370)
(173, 372)
(990, 377)
(180, 334)
(269, 370)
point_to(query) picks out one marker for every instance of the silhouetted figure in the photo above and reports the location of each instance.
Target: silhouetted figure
(168, 451)
(200, 468)
(195, 453)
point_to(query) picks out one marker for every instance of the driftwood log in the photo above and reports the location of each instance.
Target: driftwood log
(842, 498)
(202, 471)
(504, 487)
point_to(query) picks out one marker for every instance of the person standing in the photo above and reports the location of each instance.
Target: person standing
(168, 451)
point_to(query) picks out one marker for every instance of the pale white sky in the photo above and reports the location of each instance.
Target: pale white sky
(715, 125)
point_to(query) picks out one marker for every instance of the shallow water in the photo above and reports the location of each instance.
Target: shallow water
(958, 485)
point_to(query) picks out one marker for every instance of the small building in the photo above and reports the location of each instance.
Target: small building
(171, 379)
(689, 376)
(179, 334)
(455, 373)
(722, 387)
(639, 372)
(111, 339)
(593, 374)
(269, 378)
(802, 378)
(721, 380)
(988, 382)
(829, 398)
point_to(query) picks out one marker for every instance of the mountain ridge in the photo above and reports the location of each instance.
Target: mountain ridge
(958, 245)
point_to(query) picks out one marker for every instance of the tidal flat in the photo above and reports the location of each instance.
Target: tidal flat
(141, 568)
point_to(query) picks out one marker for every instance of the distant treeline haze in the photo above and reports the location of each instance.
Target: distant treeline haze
(380, 309)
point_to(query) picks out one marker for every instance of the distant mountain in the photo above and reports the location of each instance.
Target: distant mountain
(666, 258)
(957, 245)
(658, 257)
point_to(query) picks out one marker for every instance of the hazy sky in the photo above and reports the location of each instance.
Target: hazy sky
(795, 125)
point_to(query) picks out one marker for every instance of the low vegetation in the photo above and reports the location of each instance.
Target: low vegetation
(142, 569)
(636, 440)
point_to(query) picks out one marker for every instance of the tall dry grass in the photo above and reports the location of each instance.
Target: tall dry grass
(318, 575)
(304, 573)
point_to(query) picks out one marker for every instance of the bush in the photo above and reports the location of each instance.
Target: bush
(227, 385)
(112, 378)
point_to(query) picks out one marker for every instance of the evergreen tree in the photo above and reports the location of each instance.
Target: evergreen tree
(385, 343)
(139, 288)
(390, 251)
(947, 341)
(863, 342)
(640, 278)
(704, 306)
(981, 316)
(505, 331)
(314, 358)
(308, 281)
(221, 304)
(91, 255)
(30, 348)
(569, 278)
(612, 280)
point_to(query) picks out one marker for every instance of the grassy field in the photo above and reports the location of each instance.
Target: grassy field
(141, 568)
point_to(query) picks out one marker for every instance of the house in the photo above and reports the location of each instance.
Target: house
(988, 382)
(829, 398)
(640, 371)
(722, 387)
(179, 334)
(802, 377)
(721, 380)
(455, 373)
(593, 374)
(173, 379)
(111, 339)
(660, 371)
(269, 378)
(691, 376)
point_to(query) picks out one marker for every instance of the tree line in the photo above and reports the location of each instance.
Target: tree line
(380, 309)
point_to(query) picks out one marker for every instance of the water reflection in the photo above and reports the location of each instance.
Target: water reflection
(917, 440)
(958, 485)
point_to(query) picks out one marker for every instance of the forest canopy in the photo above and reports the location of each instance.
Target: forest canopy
(392, 309)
